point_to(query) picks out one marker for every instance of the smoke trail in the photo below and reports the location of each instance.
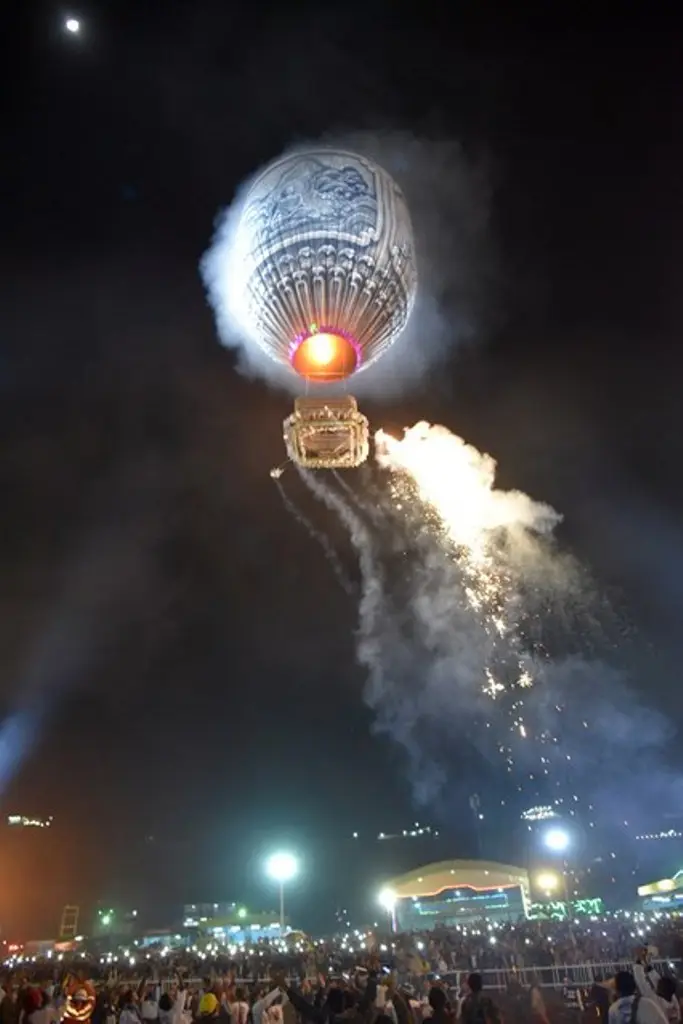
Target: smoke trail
(372, 512)
(360, 535)
(379, 643)
(320, 538)
(372, 587)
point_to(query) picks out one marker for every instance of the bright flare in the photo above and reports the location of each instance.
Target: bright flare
(455, 485)
(556, 839)
(457, 481)
(321, 349)
(325, 356)
(548, 882)
(387, 899)
(282, 867)
(72, 25)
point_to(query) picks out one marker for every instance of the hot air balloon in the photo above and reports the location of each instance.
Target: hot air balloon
(327, 272)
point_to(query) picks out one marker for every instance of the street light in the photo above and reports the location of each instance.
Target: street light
(387, 899)
(282, 867)
(557, 840)
(548, 881)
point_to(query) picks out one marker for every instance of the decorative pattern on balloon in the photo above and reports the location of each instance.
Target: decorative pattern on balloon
(327, 239)
(312, 195)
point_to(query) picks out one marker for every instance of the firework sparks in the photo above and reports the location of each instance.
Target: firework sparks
(454, 486)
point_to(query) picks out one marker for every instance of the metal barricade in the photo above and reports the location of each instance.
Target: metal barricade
(555, 976)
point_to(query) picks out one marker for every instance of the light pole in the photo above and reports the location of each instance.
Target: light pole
(387, 899)
(558, 840)
(282, 867)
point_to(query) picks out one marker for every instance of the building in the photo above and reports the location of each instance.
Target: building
(229, 922)
(665, 894)
(453, 892)
(197, 914)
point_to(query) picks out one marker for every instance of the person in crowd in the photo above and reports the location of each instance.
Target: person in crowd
(260, 1009)
(668, 999)
(477, 1007)
(35, 1008)
(651, 984)
(345, 1002)
(599, 998)
(210, 1008)
(172, 1005)
(239, 1007)
(128, 1010)
(630, 1007)
(440, 1007)
(10, 1009)
(149, 1004)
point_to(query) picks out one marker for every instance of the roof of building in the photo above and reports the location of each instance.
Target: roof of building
(663, 885)
(450, 874)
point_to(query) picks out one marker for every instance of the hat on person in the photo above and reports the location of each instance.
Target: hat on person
(208, 1005)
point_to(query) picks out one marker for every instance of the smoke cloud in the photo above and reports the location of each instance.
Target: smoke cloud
(448, 197)
(479, 635)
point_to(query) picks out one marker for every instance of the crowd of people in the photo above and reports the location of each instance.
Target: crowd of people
(481, 974)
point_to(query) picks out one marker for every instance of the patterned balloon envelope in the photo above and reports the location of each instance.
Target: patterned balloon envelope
(326, 261)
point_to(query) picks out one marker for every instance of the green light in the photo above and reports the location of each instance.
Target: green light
(106, 920)
(242, 912)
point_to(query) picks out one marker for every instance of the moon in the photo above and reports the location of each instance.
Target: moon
(72, 25)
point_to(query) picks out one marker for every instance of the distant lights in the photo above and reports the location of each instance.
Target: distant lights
(669, 834)
(22, 821)
(407, 833)
(541, 812)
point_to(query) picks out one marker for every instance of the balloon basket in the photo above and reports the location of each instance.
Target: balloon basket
(327, 433)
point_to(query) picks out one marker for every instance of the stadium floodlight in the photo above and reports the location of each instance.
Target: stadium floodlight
(282, 867)
(557, 839)
(387, 899)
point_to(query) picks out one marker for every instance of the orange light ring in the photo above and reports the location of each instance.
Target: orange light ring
(313, 331)
(473, 888)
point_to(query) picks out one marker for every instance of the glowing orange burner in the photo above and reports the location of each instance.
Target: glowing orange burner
(325, 356)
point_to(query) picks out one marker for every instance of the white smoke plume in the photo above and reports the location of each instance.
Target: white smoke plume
(449, 199)
(375, 623)
(319, 537)
(477, 632)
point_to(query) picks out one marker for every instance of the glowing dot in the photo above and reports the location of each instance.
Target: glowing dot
(72, 25)
(321, 349)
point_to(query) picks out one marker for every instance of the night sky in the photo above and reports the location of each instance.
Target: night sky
(183, 639)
